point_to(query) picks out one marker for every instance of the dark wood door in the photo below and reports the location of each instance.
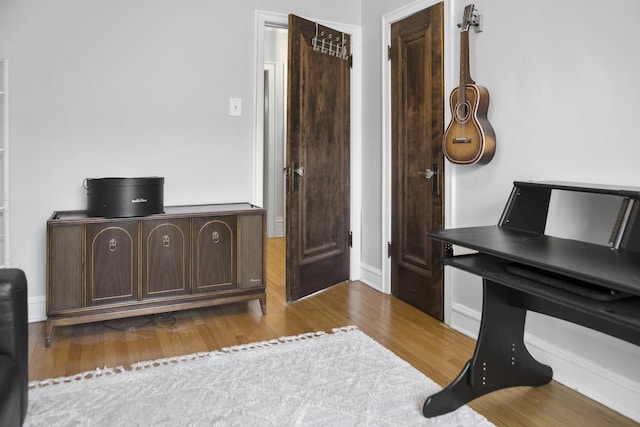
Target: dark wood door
(165, 257)
(214, 253)
(112, 262)
(417, 161)
(318, 146)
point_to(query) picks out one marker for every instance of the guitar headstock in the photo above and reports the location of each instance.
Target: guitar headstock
(468, 18)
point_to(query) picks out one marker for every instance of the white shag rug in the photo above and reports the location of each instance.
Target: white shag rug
(344, 378)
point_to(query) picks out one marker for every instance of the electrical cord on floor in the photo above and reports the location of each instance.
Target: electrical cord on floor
(129, 324)
(163, 320)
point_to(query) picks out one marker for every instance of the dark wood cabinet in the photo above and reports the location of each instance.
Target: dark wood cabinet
(186, 257)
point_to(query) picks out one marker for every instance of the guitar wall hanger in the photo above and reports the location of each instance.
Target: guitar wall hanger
(476, 21)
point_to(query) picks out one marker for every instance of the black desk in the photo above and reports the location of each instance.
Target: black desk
(523, 269)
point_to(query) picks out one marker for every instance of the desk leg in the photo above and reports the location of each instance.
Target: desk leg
(500, 360)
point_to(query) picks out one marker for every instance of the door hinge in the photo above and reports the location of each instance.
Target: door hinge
(351, 61)
(350, 239)
(389, 249)
(388, 52)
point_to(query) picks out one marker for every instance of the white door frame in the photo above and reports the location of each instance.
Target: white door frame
(449, 30)
(261, 19)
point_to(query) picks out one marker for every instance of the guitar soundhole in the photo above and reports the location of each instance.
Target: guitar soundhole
(462, 112)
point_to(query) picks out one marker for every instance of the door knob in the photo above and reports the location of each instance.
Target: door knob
(428, 173)
(435, 183)
(296, 171)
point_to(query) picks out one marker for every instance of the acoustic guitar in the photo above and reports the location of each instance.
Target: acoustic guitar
(469, 138)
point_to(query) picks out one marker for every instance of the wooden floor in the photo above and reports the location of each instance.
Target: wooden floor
(431, 347)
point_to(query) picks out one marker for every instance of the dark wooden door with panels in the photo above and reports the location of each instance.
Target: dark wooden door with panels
(318, 155)
(417, 122)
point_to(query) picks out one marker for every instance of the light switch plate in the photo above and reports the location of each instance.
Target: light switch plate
(235, 106)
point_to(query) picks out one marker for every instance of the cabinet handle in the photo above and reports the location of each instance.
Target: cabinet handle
(113, 245)
(215, 237)
(166, 241)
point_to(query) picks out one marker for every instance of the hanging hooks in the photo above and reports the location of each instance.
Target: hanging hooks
(328, 44)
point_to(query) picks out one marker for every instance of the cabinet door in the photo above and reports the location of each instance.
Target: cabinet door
(112, 262)
(64, 268)
(251, 250)
(165, 257)
(214, 253)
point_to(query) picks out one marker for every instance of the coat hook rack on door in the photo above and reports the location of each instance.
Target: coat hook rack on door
(331, 44)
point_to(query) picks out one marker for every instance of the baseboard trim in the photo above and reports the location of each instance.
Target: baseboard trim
(371, 276)
(465, 320)
(594, 381)
(571, 369)
(37, 309)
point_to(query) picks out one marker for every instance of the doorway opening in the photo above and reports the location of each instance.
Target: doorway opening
(275, 120)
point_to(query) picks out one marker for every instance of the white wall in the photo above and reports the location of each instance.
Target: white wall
(129, 88)
(564, 79)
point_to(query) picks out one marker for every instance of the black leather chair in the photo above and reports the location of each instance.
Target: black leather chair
(14, 338)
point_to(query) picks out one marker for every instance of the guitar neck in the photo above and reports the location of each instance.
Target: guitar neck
(465, 75)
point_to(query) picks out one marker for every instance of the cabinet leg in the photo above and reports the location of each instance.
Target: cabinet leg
(263, 304)
(48, 332)
(500, 360)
